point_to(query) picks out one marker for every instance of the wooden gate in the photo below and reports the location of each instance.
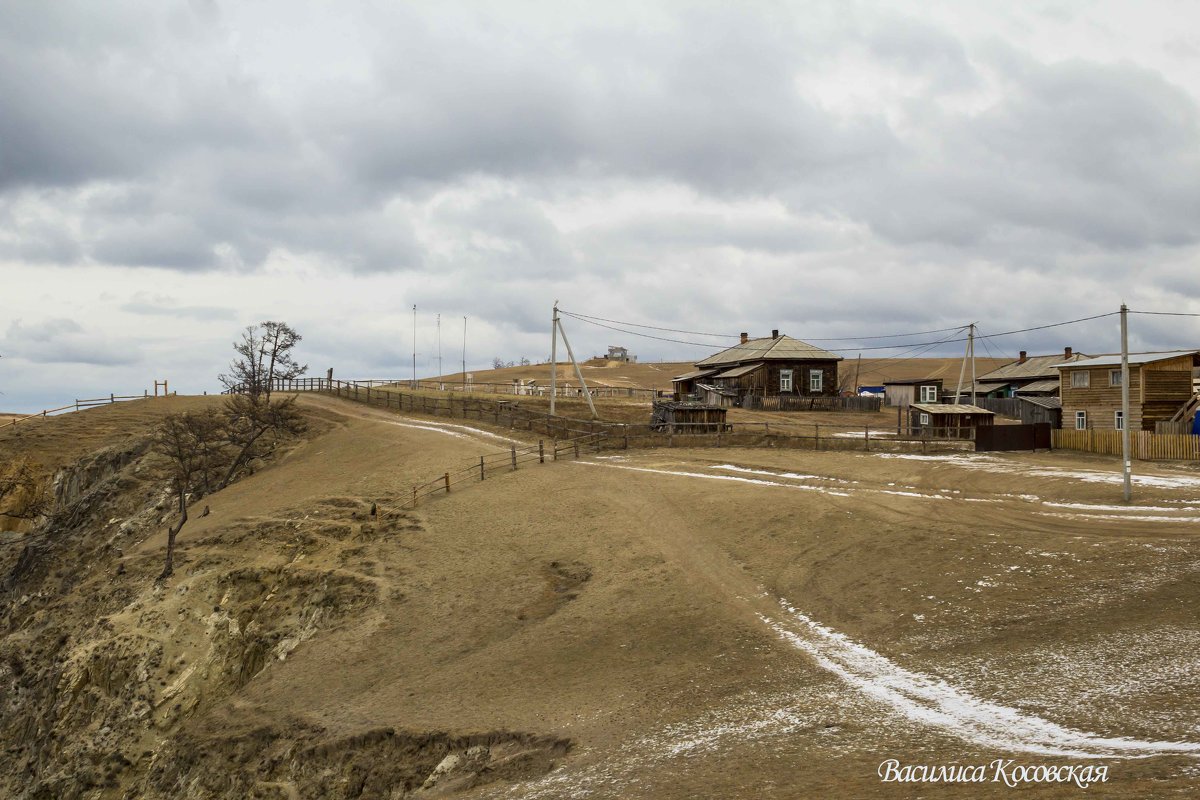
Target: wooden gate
(1013, 437)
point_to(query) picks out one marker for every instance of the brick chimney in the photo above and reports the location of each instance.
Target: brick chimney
(1067, 354)
(745, 337)
(1024, 357)
(775, 334)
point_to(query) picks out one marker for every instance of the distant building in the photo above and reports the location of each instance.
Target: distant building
(1028, 376)
(617, 353)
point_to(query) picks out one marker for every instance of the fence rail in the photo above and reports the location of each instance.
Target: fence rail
(617, 435)
(1144, 445)
(503, 461)
(80, 405)
(785, 403)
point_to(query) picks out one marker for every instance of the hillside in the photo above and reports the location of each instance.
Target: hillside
(731, 623)
(872, 371)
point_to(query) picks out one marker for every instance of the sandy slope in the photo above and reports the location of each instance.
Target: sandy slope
(708, 623)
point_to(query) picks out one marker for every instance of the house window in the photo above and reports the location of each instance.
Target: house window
(928, 394)
(1081, 379)
(1080, 420)
(1119, 420)
(816, 380)
(924, 419)
(1114, 378)
(785, 380)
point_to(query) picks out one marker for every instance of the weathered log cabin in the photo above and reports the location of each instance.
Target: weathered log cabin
(947, 420)
(687, 417)
(766, 367)
(1159, 384)
(1028, 376)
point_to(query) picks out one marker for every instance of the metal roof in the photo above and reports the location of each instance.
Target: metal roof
(1049, 385)
(696, 373)
(1034, 367)
(1134, 358)
(1044, 402)
(949, 408)
(785, 348)
(724, 391)
(738, 372)
(912, 382)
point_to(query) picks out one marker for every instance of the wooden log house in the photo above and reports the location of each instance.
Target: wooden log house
(1159, 385)
(766, 367)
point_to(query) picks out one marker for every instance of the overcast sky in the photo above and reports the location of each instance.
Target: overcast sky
(172, 171)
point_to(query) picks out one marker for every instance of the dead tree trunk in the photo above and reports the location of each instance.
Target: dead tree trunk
(172, 532)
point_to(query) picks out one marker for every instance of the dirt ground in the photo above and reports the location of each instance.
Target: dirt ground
(738, 623)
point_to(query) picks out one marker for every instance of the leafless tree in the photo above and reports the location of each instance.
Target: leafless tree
(196, 450)
(264, 355)
(254, 424)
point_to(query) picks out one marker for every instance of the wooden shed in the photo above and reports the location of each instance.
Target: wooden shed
(1159, 385)
(948, 420)
(772, 366)
(905, 393)
(675, 416)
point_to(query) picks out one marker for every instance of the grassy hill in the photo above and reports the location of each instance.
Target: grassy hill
(728, 623)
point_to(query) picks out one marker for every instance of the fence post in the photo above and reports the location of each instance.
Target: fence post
(817, 435)
(554, 444)
(112, 398)
(868, 438)
(446, 477)
(577, 448)
(414, 497)
(481, 468)
(513, 452)
(541, 452)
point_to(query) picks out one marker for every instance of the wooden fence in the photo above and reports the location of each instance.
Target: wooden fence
(1005, 406)
(616, 435)
(1144, 445)
(561, 390)
(756, 402)
(503, 461)
(78, 405)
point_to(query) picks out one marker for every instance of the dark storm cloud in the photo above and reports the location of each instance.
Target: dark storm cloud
(174, 135)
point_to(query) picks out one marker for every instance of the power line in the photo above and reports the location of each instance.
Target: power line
(862, 349)
(588, 318)
(1166, 313)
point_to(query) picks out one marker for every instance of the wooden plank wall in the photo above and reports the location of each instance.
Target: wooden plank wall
(1145, 446)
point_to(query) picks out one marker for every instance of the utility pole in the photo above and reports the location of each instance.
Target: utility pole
(414, 378)
(1126, 463)
(587, 393)
(553, 356)
(857, 372)
(439, 338)
(971, 347)
(962, 371)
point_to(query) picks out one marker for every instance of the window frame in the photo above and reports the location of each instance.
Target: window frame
(816, 380)
(932, 393)
(1081, 379)
(924, 419)
(1119, 420)
(1114, 377)
(1081, 416)
(785, 381)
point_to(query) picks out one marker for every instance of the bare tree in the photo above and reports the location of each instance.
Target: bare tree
(264, 355)
(255, 423)
(195, 447)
